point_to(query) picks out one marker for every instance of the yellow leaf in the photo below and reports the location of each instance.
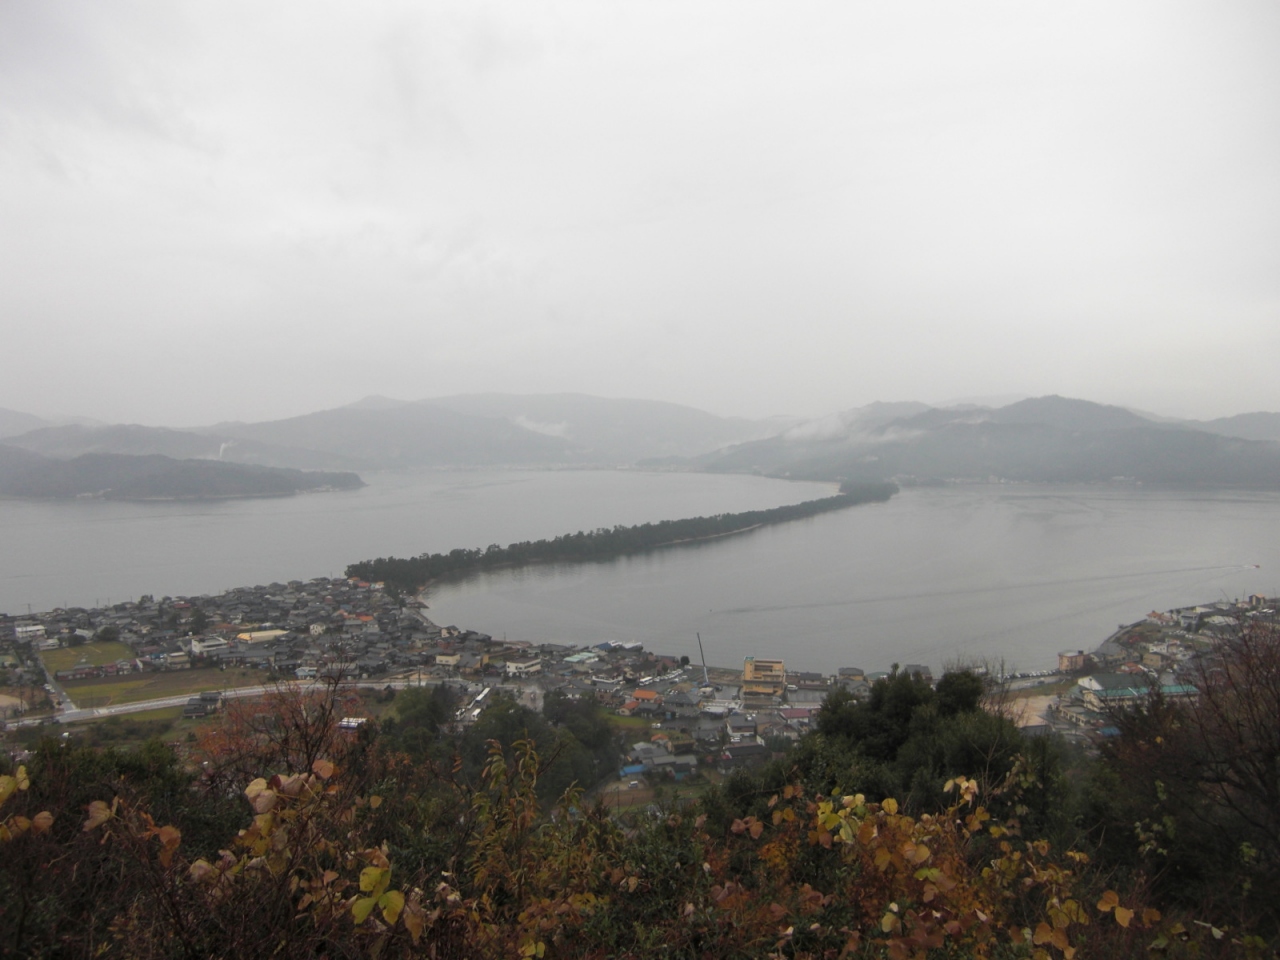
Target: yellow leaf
(1123, 916)
(374, 880)
(375, 801)
(1075, 912)
(890, 806)
(1109, 901)
(392, 902)
(757, 828)
(323, 769)
(889, 923)
(1043, 934)
(413, 921)
(170, 837)
(99, 813)
(7, 786)
(261, 798)
(1150, 916)
(201, 869)
(361, 909)
(42, 822)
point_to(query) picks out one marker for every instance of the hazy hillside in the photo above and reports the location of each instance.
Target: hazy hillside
(613, 430)
(1068, 414)
(406, 435)
(1247, 426)
(1043, 439)
(14, 422)
(123, 477)
(73, 440)
(378, 432)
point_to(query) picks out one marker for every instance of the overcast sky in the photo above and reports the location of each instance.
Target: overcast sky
(247, 210)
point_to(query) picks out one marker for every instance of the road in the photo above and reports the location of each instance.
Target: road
(141, 706)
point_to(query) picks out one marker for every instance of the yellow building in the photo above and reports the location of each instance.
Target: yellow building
(762, 677)
(259, 636)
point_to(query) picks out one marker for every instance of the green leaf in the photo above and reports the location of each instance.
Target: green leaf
(374, 880)
(361, 909)
(392, 902)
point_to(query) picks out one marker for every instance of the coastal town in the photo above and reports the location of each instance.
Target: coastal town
(76, 664)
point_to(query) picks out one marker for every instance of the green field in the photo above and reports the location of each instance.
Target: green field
(629, 724)
(152, 686)
(87, 654)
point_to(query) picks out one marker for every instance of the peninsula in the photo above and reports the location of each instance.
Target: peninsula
(411, 574)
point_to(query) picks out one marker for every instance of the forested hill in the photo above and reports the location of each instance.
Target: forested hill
(24, 473)
(1040, 440)
(412, 574)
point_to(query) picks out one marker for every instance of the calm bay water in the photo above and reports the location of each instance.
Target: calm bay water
(1013, 572)
(84, 553)
(933, 576)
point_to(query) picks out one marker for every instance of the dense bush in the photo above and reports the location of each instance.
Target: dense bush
(914, 824)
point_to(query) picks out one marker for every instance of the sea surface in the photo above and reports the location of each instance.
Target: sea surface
(934, 576)
(964, 574)
(89, 552)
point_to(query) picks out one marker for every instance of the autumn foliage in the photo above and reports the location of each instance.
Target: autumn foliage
(819, 876)
(288, 836)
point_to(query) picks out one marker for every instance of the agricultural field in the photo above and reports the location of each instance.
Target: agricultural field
(133, 687)
(87, 654)
(630, 725)
(620, 796)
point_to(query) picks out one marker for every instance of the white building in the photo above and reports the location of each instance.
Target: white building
(523, 668)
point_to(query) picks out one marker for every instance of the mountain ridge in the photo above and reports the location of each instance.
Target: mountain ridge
(113, 476)
(1035, 438)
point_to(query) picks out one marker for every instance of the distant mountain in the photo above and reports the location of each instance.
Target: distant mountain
(853, 422)
(1247, 426)
(379, 432)
(73, 440)
(614, 431)
(1042, 439)
(1068, 414)
(14, 422)
(406, 435)
(24, 473)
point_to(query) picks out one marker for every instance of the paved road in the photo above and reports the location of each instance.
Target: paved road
(74, 716)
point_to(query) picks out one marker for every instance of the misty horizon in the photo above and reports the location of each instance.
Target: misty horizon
(992, 402)
(753, 211)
